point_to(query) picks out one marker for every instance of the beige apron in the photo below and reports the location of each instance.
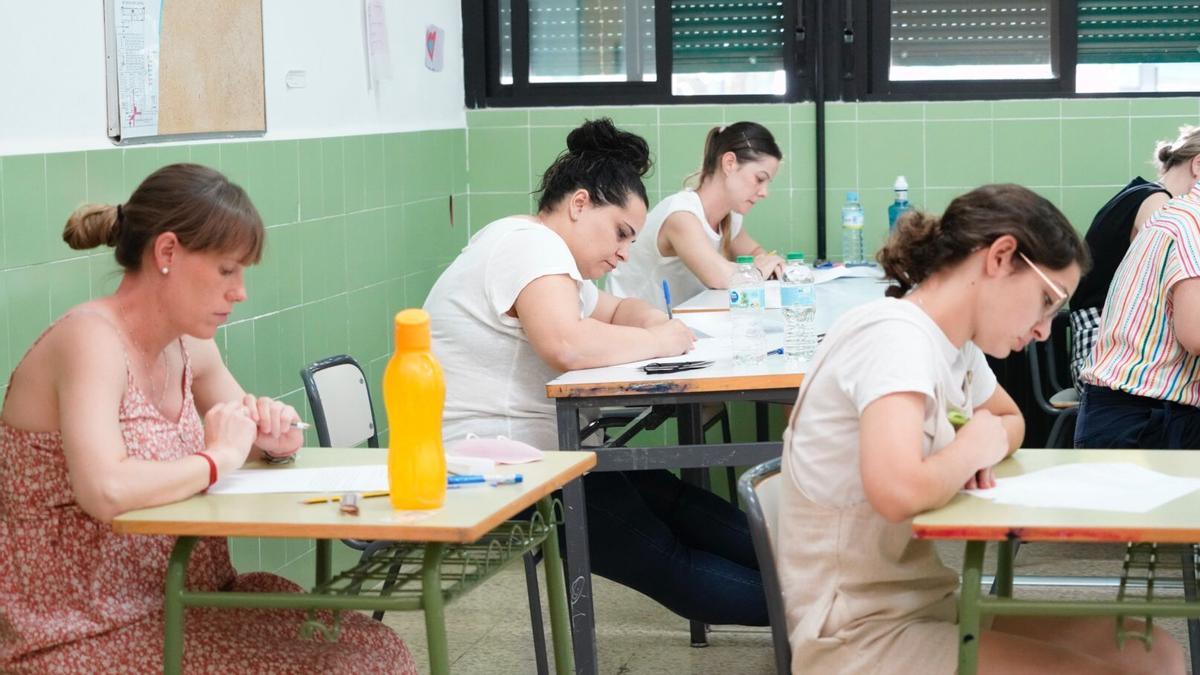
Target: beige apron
(861, 595)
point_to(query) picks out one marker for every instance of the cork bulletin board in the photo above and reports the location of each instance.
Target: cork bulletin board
(180, 68)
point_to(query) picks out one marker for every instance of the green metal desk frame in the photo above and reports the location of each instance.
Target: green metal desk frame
(444, 572)
(973, 604)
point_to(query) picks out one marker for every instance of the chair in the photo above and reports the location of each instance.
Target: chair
(344, 417)
(1063, 405)
(759, 490)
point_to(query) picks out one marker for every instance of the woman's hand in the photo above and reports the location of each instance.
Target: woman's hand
(982, 479)
(673, 337)
(769, 264)
(228, 435)
(276, 437)
(986, 436)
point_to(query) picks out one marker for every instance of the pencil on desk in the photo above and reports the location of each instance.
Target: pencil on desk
(335, 498)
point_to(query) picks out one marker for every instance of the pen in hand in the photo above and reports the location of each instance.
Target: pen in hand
(667, 297)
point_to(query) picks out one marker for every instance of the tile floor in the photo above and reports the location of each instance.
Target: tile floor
(489, 628)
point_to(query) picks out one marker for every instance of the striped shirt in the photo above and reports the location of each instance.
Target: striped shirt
(1136, 350)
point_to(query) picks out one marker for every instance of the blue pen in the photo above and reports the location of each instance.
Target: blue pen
(775, 351)
(667, 297)
(490, 479)
(823, 266)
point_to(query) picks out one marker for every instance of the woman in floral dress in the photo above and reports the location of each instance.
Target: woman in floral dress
(103, 416)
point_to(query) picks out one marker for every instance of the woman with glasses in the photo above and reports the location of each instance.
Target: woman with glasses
(692, 237)
(1115, 226)
(1141, 388)
(898, 412)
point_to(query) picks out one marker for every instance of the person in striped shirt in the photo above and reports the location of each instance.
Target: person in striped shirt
(1141, 389)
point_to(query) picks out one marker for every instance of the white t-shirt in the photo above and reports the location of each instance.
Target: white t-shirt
(641, 276)
(495, 381)
(902, 350)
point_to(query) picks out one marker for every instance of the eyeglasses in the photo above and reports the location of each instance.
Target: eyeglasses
(1059, 297)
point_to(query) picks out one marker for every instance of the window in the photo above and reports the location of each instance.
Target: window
(727, 47)
(939, 40)
(1130, 46)
(615, 52)
(552, 52)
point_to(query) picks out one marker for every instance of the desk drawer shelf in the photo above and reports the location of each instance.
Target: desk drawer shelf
(395, 571)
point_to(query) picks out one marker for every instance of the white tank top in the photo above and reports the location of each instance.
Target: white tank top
(642, 275)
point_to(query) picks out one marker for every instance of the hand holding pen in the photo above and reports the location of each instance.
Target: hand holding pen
(278, 425)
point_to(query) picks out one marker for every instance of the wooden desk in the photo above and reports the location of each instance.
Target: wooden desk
(775, 380)
(468, 516)
(978, 521)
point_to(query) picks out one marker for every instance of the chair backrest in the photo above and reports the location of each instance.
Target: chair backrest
(340, 400)
(759, 490)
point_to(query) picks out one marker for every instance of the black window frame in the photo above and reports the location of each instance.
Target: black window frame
(854, 36)
(481, 36)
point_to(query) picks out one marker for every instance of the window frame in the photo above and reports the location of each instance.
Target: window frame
(855, 66)
(481, 36)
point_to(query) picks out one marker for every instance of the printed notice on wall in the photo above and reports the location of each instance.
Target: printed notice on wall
(379, 56)
(137, 53)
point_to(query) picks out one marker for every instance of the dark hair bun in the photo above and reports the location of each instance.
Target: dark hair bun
(602, 137)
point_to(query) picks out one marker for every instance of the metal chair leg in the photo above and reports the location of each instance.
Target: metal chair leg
(535, 614)
(1189, 594)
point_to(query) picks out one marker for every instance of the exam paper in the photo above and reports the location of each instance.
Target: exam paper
(330, 479)
(1097, 486)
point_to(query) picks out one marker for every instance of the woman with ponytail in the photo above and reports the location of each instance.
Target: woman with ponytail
(1140, 386)
(518, 307)
(871, 444)
(692, 237)
(103, 416)
(1115, 226)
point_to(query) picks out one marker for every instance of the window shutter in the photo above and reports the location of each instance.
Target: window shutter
(1138, 31)
(727, 35)
(966, 32)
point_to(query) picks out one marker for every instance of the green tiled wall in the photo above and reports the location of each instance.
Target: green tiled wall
(1076, 152)
(358, 228)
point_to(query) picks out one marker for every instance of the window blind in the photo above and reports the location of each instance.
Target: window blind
(727, 35)
(1138, 31)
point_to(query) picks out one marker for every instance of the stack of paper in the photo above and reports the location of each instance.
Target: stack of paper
(332, 479)
(1098, 486)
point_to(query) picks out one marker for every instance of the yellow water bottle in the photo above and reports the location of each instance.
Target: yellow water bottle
(414, 392)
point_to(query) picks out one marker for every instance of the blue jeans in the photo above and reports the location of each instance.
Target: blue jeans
(681, 545)
(1115, 419)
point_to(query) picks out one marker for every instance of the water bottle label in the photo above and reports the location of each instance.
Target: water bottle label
(747, 298)
(790, 296)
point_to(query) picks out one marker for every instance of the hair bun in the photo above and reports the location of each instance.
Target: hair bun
(91, 225)
(1164, 152)
(602, 137)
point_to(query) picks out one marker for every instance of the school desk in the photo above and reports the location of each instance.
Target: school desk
(775, 380)
(978, 521)
(464, 543)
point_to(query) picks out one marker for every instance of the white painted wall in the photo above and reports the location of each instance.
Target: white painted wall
(52, 93)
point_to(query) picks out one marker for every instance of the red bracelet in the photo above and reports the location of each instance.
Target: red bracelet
(212, 468)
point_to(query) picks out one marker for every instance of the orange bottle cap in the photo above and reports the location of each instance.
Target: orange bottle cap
(412, 330)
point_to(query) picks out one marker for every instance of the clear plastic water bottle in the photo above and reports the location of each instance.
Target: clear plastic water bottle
(747, 300)
(900, 205)
(798, 295)
(852, 230)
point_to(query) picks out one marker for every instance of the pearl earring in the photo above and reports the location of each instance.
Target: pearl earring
(165, 270)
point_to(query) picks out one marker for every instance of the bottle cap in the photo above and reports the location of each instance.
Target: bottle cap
(745, 260)
(852, 196)
(901, 183)
(412, 330)
(796, 255)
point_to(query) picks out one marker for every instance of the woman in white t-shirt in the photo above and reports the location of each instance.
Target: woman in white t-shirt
(870, 445)
(692, 237)
(519, 306)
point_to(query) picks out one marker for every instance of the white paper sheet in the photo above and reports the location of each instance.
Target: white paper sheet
(1097, 486)
(839, 271)
(330, 479)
